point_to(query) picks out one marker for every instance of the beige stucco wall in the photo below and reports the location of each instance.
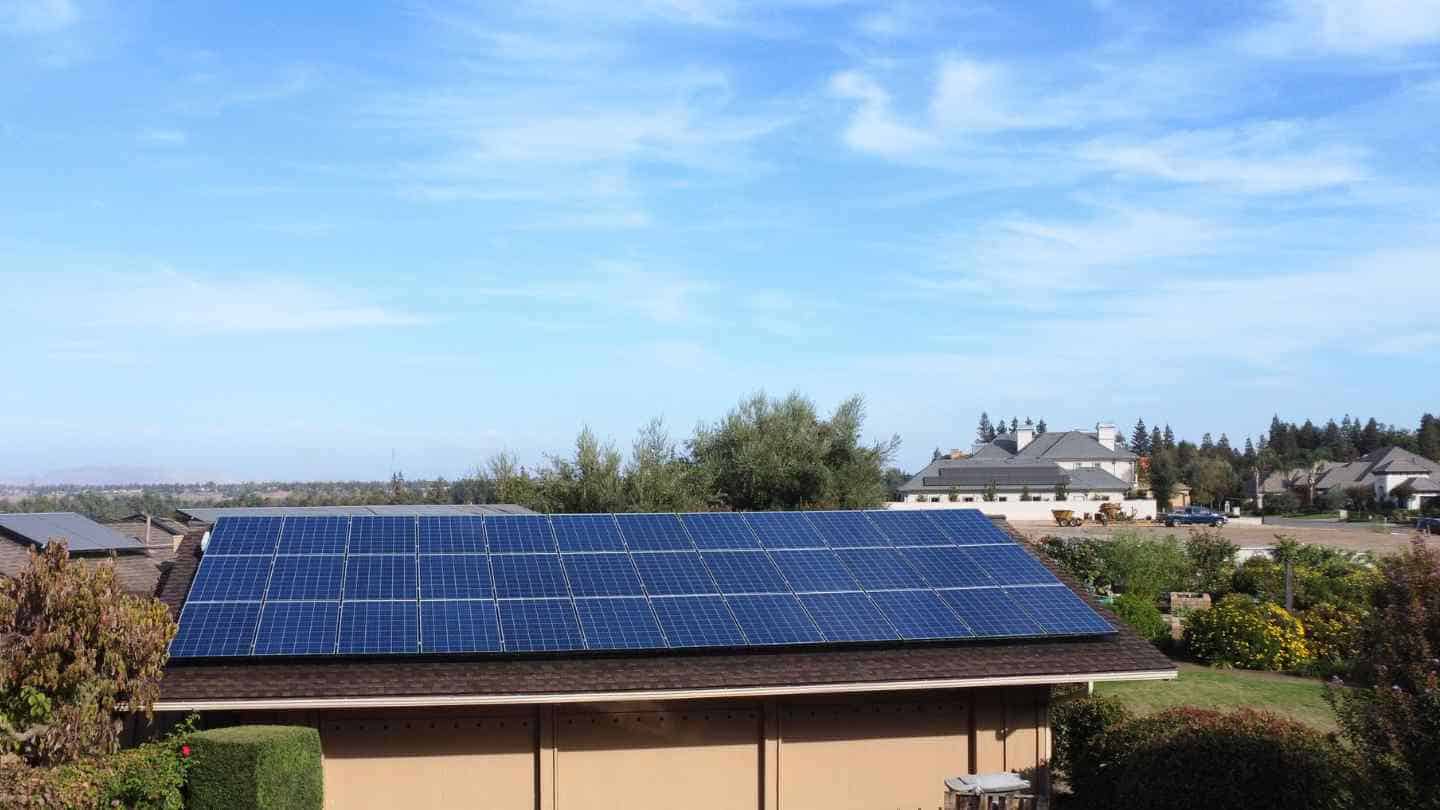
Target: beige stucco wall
(828, 752)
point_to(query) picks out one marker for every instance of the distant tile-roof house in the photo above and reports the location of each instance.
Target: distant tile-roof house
(1381, 471)
(137, 568)
(1090, 466)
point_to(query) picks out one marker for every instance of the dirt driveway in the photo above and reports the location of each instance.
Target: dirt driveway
(1350, 537)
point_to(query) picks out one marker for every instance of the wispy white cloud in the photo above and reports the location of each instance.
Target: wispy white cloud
(1273, 157)
(874, 126)
(1349, 27)
(163, 137)
(37, 16)
(619, 287)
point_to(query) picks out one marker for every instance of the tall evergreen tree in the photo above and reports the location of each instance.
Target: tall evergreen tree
(1157, 440)
(1140, 439)
(1014, 424)
(1040, 428)
(985, 432)
(1000, 427)
(1223, 447)
(1369, 437)
(935, 456)
(1169, 438)
(1428, 437)
(1249, 452)
(1207, 444)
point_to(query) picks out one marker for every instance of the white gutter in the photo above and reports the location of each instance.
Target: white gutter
(421, 701)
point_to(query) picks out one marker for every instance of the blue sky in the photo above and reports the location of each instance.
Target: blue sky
(284, 240)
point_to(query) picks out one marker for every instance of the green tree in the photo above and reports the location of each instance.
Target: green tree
(1040, 428)
(985, 432)
(1140, 439)
(73, 647)
(590, 481)
(1147, 567)
(779, 454)
(1211, 480)
(992, 491)
(1212, 561)
(657, 478)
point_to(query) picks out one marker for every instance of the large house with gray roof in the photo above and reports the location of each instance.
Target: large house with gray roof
(1027, 466)
(1383, 472)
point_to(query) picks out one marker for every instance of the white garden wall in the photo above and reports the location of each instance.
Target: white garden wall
(1032, 510)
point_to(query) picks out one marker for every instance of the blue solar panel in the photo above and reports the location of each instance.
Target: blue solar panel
(607, 574)
(879, 568)
(230, 579)
(790, 578)
(673, 572)
(1060, 611)
(744, 572)
(847, 529)
(382, 535)
(814, 570)
(717, 530)
(910, 528)
(654, 533)
(459, 626)
(619, 624)
(519, 534)
(968, 526)
(774, 619)
(528, 576)
(380, 576)
(307, 578)
(298, 628)
(587, 533)
(533, 625)
(990, 613)
(697, 621)
(452, 535)
(215, 629)
(920, 615)
(379, 627)
(784, 530)
(455, 576)
(245, 535)
(1009, 565)
(946, 567)
(314, 535)
(848, 617)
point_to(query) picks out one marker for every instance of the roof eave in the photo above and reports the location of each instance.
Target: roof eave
(423, 701)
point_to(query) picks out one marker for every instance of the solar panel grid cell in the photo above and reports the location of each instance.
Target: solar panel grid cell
(1008, 565)
(813, 570)
(619, 624)
(654, 533)
(920, 615)
(305, 578)
(298, 628)
(879, 568)
(720, 530)
(670, 573)
(580, 533)
(847, 530)
(848, 617)
(910, 528)
(528, 576)
(380, 576)
(774, 619)
(537, 625)
(605, 574)
(382, 535)
(519, 534)
(778, 530)
(991, 613)
(1059, 611)
(452, 535)
(216, 629)
(314, 535)
(697, 621)
(947, 567)
(231, 579)
(254, 535)
(455, 576)
(744, 572)
(459, 626)
(379, 627)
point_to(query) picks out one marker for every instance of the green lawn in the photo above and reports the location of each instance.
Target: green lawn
(1300, 699)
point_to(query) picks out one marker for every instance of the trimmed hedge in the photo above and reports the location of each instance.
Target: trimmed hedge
(1187, 758)
(256, 768)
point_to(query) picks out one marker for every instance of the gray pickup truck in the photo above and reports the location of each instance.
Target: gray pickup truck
(1194, 516)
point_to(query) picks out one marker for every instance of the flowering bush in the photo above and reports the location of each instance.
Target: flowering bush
(149, 777)
(1243, 633)
(1333, 635)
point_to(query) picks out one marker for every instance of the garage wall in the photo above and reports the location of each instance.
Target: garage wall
(842, 752)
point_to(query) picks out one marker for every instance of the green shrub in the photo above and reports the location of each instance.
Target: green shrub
(1079, 557)
(1196, 758)
(148, 777)
(1141, 613)
(1145, 566)
(1076, 723)
(256, 768)
(1243, 633)
(1332, 633)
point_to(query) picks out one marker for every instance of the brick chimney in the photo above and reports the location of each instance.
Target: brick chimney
(1105, 434)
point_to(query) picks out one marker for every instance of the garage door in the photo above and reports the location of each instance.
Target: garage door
(658, 760)
(452, 762)
(871, 756)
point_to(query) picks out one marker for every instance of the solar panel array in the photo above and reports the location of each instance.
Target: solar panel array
(423, 584)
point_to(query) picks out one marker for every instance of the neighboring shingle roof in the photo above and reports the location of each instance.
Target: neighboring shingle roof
(1071, 445)
(1092, 479)
(79, 532)
(421, 678)
(973, 474)
(1387, 460)
(209, 514)
(137, 572)
(1423, 484)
